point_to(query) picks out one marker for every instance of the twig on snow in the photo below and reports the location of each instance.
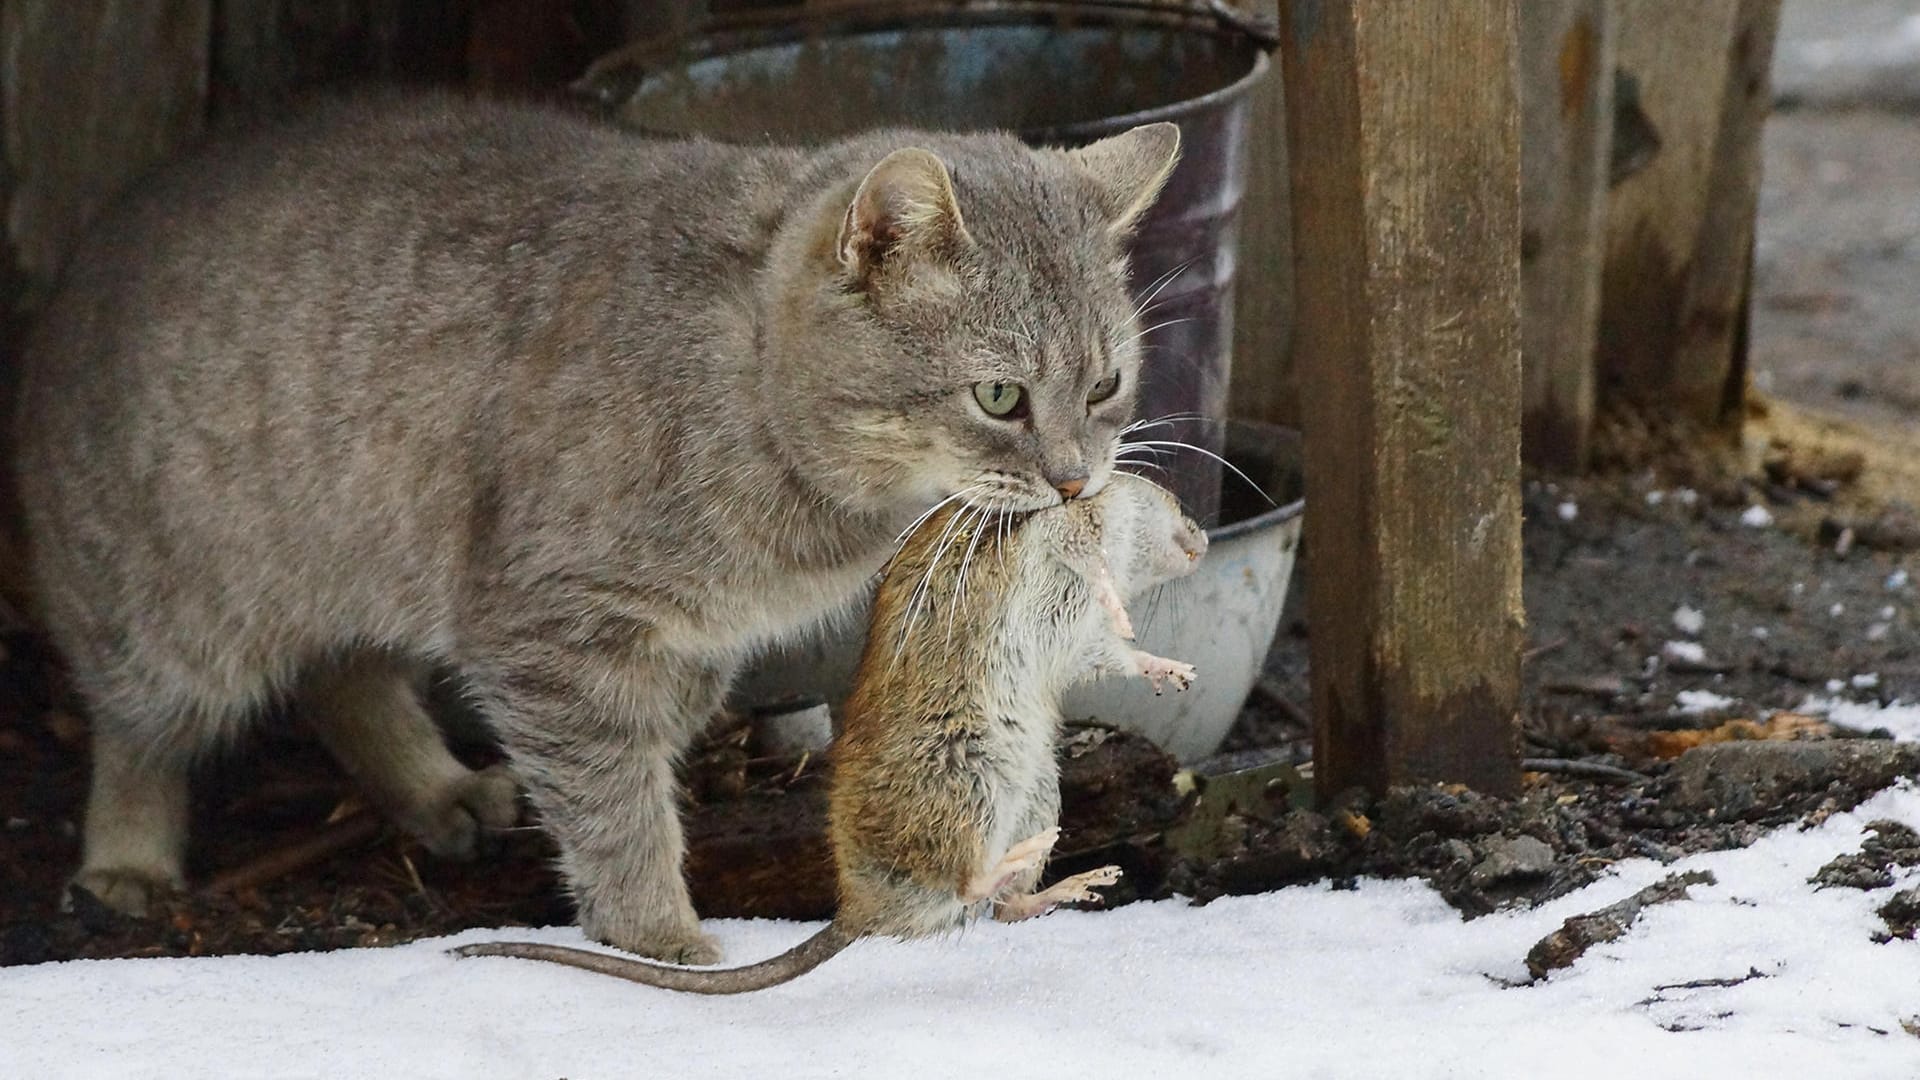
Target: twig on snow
(1581, 932)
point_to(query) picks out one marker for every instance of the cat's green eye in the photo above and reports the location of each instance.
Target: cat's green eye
(1001, 400)
(1104, 389)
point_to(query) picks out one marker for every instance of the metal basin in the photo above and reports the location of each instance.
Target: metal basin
(1221, 618)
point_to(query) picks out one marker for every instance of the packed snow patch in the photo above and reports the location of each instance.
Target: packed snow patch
(1697, 702)
(1689, 620)
(1383, 980)
(1899, 718)
(1688, 652)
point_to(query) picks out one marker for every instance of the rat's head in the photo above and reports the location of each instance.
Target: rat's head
(1148, 539)
(958, 323)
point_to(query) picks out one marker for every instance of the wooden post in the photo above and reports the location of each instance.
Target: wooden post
(1264, 386)
(1403, 133)
(1710, 363)
(91, 94)
(1566, 97)
(1679, 230)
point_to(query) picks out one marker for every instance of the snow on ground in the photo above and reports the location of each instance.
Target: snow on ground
(1381, 981)
(1900, 719)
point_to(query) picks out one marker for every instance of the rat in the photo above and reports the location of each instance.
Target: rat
(945, 793)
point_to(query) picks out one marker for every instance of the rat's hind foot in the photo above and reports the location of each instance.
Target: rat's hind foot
(1080, 888)
(1028, 854)
(1157, 669)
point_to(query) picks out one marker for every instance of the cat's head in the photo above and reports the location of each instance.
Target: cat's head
(953, 318)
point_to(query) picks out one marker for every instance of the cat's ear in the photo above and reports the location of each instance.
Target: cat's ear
(904, 206)
(1129, 169)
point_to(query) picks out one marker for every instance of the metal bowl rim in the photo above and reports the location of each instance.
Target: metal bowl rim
(1274, 516)
(722, 42)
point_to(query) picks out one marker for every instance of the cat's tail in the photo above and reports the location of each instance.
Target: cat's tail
(773, 971)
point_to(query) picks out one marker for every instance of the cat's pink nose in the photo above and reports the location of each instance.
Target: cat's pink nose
(1070, 489)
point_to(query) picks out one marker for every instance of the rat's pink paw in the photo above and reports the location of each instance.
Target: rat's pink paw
(1028, 854)
(1078, 889)
(1159, 669)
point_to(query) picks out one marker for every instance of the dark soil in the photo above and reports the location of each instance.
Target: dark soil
(1603, 586)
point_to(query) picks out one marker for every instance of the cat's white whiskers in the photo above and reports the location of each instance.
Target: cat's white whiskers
(960, 582)
(1155, 288)
(1156, 326)
(1142, 462)
(1142, 448)
(970, 489)
(922, 591)
(1159, 421)
(1203, 450)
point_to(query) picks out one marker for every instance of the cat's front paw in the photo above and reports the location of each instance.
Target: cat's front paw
(130, 892)
(1158, 670)
(669, 944)
(695, 949)
(453, 821)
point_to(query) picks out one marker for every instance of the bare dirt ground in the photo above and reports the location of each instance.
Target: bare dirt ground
(1675, 603)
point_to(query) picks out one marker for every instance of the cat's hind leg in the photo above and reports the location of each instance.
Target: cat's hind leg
(366, 709)
(135, 835)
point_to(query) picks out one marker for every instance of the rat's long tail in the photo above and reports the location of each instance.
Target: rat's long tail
(785, 967)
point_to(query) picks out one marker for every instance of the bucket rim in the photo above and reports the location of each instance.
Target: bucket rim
(1173, 111)
(616, 76)
(1288, 440)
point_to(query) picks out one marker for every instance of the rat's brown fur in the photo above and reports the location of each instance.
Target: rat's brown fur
(945, 789)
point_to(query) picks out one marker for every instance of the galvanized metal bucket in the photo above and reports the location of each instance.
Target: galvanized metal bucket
(1059, 74)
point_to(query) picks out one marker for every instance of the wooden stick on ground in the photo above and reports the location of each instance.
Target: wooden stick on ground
(1584, 770)
(351, 831)
(1580, 933)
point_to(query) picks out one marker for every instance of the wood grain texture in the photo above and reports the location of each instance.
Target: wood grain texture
(1566, 99)
(92, 93)
(1264, 385)
(1710, 363)
(1678, 230)
(1403, 133)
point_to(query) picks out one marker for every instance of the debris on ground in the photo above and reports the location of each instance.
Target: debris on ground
(1582, 932)
(1888, 845)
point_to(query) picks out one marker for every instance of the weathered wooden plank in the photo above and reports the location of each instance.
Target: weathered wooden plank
(92, 93)
(1403, 140)
(269, 49)
(1263, 386)
(1566, 98)
(1710, 363)
(1676, 58)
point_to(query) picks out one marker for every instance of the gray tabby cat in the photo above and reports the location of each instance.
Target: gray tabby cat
(585, 416)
